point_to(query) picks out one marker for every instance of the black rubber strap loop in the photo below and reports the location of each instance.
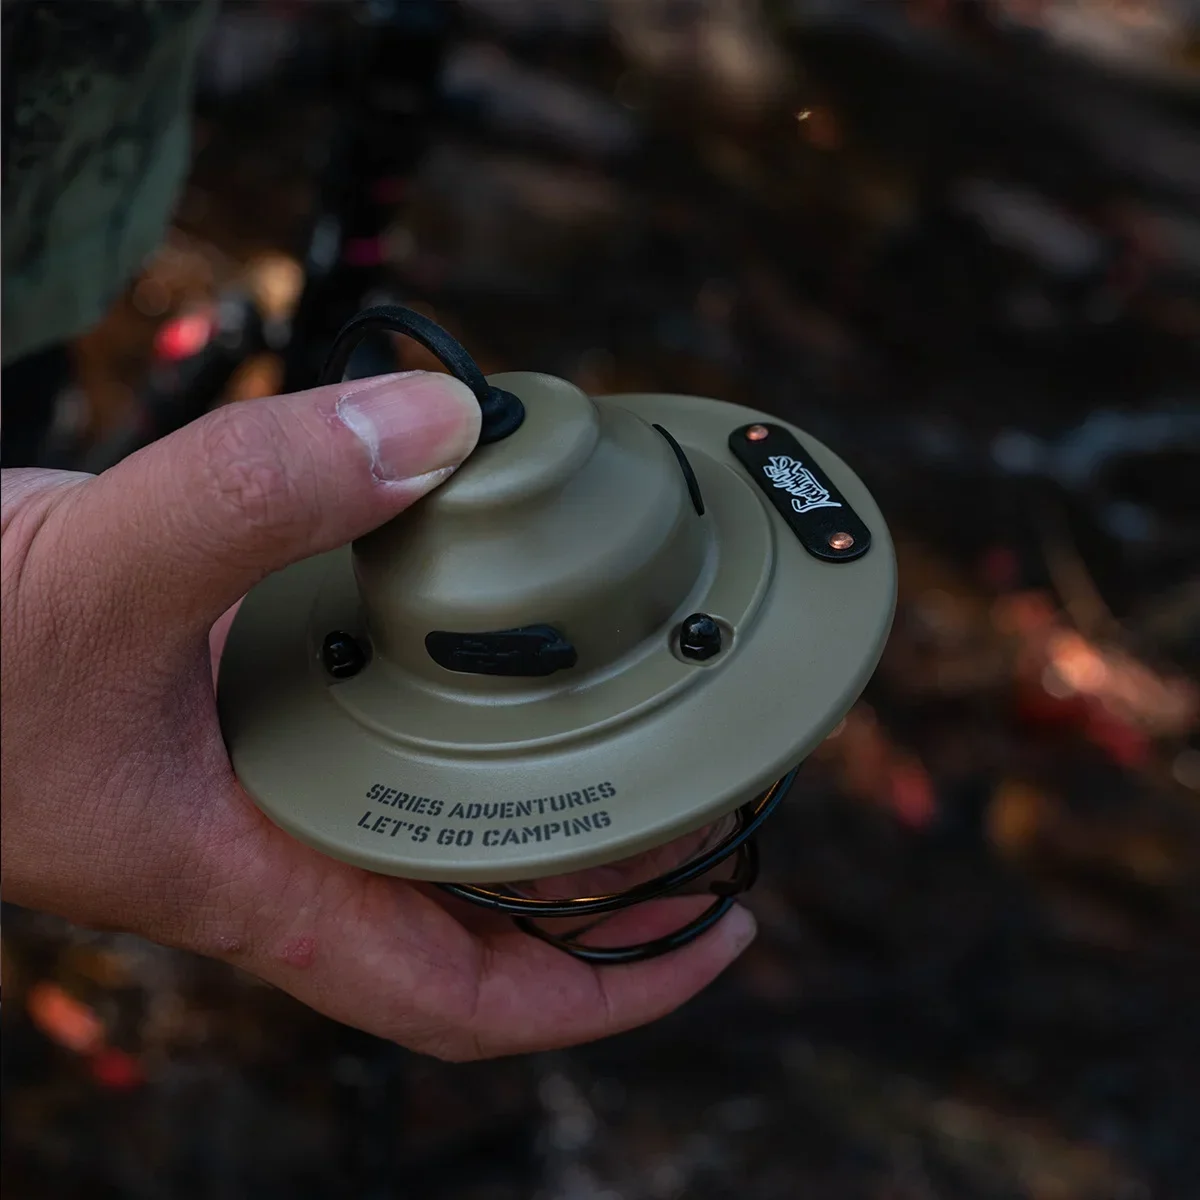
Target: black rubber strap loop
(502, 411)
(689, 476)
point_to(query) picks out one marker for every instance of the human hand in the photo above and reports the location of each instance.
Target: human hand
(121, 809)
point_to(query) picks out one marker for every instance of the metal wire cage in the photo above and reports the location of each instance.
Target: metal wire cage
(737, 844)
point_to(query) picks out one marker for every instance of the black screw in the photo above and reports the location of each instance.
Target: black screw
(700, 637)
(342, 655)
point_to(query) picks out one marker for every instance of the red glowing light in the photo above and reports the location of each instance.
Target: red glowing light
(185, 335)
(364, 252)
(116, 1070)
(912, 797)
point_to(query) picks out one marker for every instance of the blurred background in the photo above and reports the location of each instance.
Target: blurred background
(959, 241)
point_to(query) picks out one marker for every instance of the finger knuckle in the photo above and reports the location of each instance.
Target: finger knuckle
(246, 468)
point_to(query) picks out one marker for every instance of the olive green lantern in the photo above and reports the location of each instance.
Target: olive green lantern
(623, 620)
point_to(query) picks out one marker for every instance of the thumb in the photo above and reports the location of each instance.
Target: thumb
(195, 520)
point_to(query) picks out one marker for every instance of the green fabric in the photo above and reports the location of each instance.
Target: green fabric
(96, 146)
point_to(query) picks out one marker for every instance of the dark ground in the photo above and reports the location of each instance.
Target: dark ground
(966, 256)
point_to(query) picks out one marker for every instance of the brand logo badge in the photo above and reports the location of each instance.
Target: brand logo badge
(793, 477)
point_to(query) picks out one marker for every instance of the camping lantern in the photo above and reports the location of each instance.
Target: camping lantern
(618, 627)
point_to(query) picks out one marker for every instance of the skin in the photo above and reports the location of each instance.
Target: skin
(121, 810)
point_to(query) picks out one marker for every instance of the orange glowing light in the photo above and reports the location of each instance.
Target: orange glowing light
(65, 1020)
